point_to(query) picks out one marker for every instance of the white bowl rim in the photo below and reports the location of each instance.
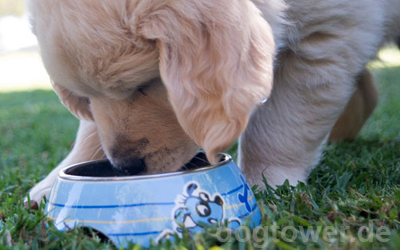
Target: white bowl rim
(226, 160)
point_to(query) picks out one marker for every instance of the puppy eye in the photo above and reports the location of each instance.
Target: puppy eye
(141, 90)
(87, 100)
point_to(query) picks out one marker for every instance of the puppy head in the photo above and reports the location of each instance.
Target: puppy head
(214, 59)
(142, 127)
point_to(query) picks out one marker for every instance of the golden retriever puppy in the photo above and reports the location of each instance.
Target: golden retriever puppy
(154, 81)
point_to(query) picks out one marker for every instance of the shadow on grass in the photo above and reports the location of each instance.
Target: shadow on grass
(373, 159)
(362, 165)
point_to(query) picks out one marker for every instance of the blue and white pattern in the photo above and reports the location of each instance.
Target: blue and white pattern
(196, 209)
(141, 210)
(244, 198)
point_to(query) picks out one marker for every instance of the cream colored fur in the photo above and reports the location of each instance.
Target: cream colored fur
(158, 79)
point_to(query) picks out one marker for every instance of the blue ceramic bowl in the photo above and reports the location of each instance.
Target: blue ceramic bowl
(138, 208)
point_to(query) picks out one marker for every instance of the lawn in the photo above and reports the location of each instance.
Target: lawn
(351, 201)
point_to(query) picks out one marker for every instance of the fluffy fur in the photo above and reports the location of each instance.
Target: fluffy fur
(158, 79)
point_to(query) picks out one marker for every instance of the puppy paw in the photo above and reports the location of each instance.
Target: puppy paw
(37, 195)
(31, 205)
(277, 175)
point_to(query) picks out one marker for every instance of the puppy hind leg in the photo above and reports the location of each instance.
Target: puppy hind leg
(358, 110)
(87, 147)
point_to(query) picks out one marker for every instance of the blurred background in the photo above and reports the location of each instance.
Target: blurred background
(20, 65)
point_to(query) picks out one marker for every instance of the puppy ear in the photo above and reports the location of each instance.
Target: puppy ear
(216, 61)
(79, 106)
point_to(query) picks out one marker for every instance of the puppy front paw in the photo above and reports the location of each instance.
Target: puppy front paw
(277, 175)
(37, 195)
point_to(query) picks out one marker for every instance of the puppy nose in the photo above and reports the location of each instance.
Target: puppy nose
(130, 166)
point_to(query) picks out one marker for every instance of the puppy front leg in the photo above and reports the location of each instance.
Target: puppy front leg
(284, 137)
(87, 147)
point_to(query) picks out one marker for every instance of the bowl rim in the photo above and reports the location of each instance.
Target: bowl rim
(63, 175)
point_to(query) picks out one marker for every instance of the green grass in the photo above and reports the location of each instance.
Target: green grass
(356, 184)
